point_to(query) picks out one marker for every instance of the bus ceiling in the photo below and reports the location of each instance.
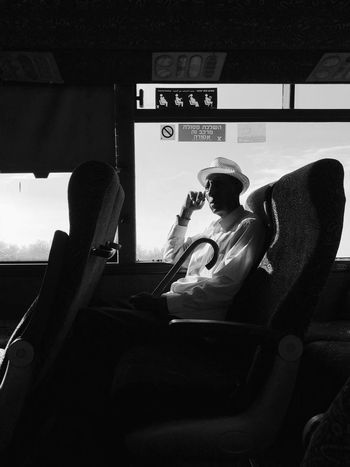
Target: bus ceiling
(99, 42)
(23, 67)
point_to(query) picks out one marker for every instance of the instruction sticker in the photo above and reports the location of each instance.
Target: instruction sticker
(36, 67)
(251, 133)
(202, 132)
(167, 132)
(186, 99)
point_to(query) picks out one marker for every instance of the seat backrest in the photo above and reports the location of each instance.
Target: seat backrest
(95, 199)
(259, 202)
(307, 208)
(75, 266)
(20, 355)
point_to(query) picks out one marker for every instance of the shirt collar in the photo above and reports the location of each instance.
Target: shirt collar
(232, 218)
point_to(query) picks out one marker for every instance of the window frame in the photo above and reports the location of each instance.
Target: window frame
(127, 114)
(126, 146)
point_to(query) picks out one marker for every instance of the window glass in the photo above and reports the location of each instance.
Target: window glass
(31, 210)
(166, 169)
(322, 96)
(229, 96)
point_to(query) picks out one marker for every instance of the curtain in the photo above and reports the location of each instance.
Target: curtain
(55, 128)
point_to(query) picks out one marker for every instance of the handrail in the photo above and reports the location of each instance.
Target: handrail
(107, 251)
(171, 273)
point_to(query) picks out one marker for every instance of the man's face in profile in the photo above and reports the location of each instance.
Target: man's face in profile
(222, 193)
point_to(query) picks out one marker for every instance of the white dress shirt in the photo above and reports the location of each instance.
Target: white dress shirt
(207, 294)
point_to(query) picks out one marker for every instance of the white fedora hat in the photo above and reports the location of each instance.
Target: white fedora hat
(221, 165)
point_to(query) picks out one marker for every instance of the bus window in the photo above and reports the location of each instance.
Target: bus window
(322, 96)
(166, 169)
(31, 209)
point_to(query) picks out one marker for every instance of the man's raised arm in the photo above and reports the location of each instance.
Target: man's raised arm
(176, 244)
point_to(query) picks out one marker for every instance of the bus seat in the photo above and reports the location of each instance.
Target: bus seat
(324, 369)
(325, 364)
(327, 435)
(75, 265)
(265, 329)
(259, 202)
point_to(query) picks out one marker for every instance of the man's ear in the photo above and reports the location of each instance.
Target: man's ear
(238, 185)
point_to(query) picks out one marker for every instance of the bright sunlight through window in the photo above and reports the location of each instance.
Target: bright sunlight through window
(31, 209)
(166, 168)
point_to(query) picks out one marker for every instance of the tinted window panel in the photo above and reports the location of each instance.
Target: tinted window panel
(31, 209)
(166, 169)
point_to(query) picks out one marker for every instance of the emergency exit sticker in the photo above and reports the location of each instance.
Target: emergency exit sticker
(206, 132)
(251, 133)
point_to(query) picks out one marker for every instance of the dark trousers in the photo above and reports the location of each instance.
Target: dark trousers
(100, 336)
(75, 404)
(124, 368)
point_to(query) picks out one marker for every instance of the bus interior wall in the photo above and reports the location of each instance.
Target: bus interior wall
(82, 63)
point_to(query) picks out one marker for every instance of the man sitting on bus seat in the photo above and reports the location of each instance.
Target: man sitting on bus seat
(113, 331)
(240, 235)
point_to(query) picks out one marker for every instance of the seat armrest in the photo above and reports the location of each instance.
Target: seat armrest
(335, 331)
(310, 428)
(225, 332)
(14, 387)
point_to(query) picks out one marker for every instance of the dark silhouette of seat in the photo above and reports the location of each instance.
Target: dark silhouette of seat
(74, 268)
(326, 360)
(263, 334)
(327, 435)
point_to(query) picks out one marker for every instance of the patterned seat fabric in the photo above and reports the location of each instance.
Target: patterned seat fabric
(330, 443)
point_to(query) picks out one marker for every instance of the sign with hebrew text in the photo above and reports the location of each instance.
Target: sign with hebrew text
(205, 132)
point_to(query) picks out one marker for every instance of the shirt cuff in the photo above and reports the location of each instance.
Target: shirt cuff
(178, 230)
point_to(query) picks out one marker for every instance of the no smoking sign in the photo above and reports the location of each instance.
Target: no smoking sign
(167, 132)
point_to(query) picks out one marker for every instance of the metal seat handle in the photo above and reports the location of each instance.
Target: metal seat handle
(106, 251)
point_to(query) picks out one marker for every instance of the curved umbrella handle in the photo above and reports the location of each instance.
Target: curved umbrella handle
(171, 273)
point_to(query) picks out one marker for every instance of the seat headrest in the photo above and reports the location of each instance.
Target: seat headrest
(259, 202)
(92, 192)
